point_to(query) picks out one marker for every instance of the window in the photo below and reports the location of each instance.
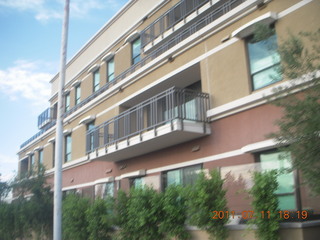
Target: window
(96, 80)
(77, 94)
(68, 147)
(90, 139)
(281, 161)
(109, 190)
(32, 161)
(41, 157)
(264, 61)
(67, 102)
(110, 70)
(136, 45)
(53, 153)
(182, 176)
(137, 182)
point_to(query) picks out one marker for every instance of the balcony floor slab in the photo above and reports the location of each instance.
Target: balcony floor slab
(160, 137)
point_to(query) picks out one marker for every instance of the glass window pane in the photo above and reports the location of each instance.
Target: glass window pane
(78, 94)
(174, 177)
(287, 202)
(136, 46)
(109, 190)
(264, 58)
(96, 80)
(190, 174)
(266, 77)
(67, 102)
(138, 182)
(41, 156)
(280, 161)
(110, 70)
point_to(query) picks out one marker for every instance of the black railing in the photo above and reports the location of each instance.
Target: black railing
(47, 116)
(204, 21)
(174, 15)
(224, 7)
(174, 103)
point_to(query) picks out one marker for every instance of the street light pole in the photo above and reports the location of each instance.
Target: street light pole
(57, 210)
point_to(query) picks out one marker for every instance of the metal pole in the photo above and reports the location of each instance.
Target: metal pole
(57, 211)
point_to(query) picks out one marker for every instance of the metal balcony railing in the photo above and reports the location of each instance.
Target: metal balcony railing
(213, 15)
(174, 15)
(172, 104)
(224, 7)
(46, 117)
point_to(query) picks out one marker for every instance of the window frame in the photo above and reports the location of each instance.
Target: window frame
(110, 75)
(132, 182)
(270, 81)
(96, 79)
(279, 195)
(182, 170)
(90, 125)
(105, 194)
(135, 58)
(67, 151)
(77, 94)
(67, 102)
(40, 157)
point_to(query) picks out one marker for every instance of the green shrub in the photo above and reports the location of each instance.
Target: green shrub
(174, 213)
(141, 214)
(264, 199)
(100, 220)
(74, 220)
(206, 196)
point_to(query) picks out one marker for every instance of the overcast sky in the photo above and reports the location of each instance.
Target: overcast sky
(30, 37)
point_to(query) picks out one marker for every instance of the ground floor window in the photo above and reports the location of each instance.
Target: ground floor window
(286, 190)
(137, 182)
(109, 190)
(182, 176)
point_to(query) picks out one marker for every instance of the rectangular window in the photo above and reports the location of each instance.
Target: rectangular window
(77, 94)
(90, 138)
(182, 176)
(68, 148)
(281, 161)
(41, 157)
(109, 190)
(32, 161)
(264, 61)
(53, 153)
(110, 70)
(67, 102)
(136, 48)
(96, 80)
(137, 182)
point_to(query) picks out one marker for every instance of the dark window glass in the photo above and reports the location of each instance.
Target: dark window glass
(77, 94)
(68, 147)
(264, 62)
(136, 46)
(96, 81)
(110, 70)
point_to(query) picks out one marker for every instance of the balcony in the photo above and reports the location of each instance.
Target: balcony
(149, 36)
(47, 117)
(169, 118)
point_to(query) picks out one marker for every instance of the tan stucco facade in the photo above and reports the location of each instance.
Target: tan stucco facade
(212, 59)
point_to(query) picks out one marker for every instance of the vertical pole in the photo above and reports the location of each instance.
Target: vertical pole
(57, 211)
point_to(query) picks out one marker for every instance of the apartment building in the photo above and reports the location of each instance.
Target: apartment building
(167, 88)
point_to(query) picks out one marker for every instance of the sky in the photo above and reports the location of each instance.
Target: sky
(30, 41)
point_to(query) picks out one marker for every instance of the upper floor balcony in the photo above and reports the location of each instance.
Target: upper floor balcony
(169, 118)
(47, 116)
